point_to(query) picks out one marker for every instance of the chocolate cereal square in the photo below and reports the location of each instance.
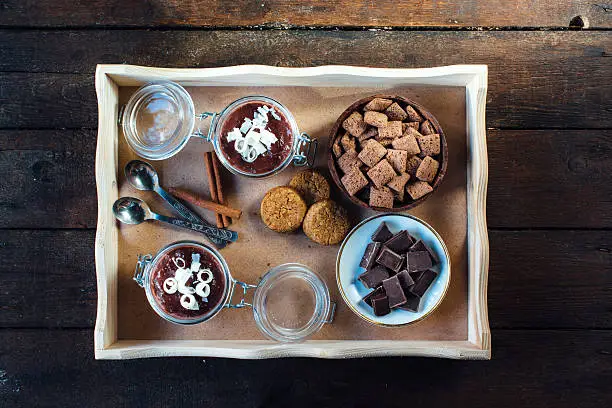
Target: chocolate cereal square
(372, 153)
(413, 116)
(336, 148)
(378, 104)
(386, 142)
(395, 112)
(418, 189)
(412, 165)
(428, 169)
(369, 133)
(381, 197)
(381, 174)
(375, 118)
(398, 183)
(354, 181)
(348, 142)
(391, 130)
(427, 128)
(410, 131)
(354, 124)
(414, 125)
(397, 159)
(348, 161)
(429, 144)
(408, 144)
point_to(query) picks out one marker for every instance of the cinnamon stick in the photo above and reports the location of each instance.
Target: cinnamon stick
(215, 161)
(212, 184)
(207, 205)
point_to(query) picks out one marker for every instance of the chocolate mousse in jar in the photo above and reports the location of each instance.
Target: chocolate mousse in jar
(254, 136)
(189, 282)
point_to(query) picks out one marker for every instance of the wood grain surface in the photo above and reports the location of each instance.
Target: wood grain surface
(290, 13)
(549, 114)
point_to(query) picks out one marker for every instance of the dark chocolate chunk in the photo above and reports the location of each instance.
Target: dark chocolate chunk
(373, 278)
(415, 275)
(400, 242)
(370, 254)
(382, 233)
(420, 246)
(418, 261)
(379, 291)
(421, 286)
(381, 305)
(412, 303)
(390, 259)
(405, 280)
(394, 291)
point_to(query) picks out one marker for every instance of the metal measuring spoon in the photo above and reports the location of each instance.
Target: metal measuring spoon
(142, 176)
(130, 210)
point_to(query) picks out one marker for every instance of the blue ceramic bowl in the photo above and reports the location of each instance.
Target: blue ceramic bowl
(348, 269)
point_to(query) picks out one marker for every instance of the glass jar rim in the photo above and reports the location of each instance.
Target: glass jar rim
(322, 305)
(149, 292)
(218, 126)
(180, 135)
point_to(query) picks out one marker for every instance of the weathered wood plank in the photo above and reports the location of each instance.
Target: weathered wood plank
(536, 79)
(48, 278)
(529, 368)
(287, 13)
(47, 179)
(550, 179)
(543, 179)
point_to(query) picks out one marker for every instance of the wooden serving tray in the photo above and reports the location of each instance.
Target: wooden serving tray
(126, 326)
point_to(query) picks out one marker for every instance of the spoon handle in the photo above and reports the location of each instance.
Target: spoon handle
(188, 214)
(215, 232)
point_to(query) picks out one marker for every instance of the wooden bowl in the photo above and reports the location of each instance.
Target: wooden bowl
(358, 106)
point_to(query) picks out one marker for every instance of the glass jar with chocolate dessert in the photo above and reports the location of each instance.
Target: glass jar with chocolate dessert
(254, 136)
(188, 282)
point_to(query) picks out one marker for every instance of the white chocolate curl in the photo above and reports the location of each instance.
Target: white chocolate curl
(170, 286)
(257, 139)
(202, 289)
(189, 302)
(208, 273)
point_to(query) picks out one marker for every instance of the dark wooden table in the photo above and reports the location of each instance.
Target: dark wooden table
(549, 119)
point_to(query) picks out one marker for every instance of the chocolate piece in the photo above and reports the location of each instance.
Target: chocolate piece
(412, 303)
(381, 305)
(378, 292)
(373, 278)
(394, 291)
(420, 246)
(382, 233)
(421, 286)
(405, 279)
(400, 242)
(369, 256)
(390, 259)
(418, 261)
(415, 275)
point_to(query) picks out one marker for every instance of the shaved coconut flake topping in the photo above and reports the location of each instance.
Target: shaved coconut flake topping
(253, 139)
(199, 285)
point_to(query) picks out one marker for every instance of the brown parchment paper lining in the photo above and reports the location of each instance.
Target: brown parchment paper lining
(259, 249)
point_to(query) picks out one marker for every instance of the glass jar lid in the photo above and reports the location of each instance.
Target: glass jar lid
(158, 120)
(291, 303)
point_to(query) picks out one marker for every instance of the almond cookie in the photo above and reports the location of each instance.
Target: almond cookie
(283, 209)
(326, 223)
(311, 185)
